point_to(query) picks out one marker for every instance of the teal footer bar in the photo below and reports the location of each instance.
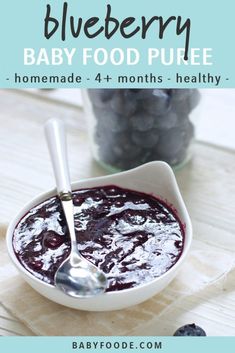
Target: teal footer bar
(117, 344)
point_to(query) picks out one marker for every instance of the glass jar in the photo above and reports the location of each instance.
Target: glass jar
(129, 127)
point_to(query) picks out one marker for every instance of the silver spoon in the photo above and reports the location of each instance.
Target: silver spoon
(76, 276)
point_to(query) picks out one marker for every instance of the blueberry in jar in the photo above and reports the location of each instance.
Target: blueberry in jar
(158, 103)
(184, 102)
(113, 123)
(99, 97)
(142, 121)
(145, 139)
(135, 126)
(121, 105)
(167, 121)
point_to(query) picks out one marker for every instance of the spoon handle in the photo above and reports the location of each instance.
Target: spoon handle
(56, 141)
(55, 135)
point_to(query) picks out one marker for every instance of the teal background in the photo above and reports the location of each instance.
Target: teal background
(169, 344)
(22, 25)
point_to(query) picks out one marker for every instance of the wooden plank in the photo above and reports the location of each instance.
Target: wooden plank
(10, 326)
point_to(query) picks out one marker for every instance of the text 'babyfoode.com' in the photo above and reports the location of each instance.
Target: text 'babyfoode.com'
(105, 345)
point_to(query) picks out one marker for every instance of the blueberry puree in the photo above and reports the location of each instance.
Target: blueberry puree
(133, 237)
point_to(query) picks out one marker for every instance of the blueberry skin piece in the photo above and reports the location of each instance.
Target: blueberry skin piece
(190, 330)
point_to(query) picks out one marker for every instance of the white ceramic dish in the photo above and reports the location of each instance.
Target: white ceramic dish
(155, 178)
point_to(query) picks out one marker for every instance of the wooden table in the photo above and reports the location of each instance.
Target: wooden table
(207, 184)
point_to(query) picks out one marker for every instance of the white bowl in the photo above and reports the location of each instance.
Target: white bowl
(155, 178)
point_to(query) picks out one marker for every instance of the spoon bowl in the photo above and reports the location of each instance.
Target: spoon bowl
(79, 278)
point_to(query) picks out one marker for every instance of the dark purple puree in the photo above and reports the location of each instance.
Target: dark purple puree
(131, 236)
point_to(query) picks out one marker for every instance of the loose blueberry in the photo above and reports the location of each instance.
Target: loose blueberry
(190, 330)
